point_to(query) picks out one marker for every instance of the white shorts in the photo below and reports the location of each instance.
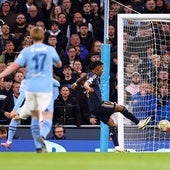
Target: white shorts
(38, 101)
(24, 112)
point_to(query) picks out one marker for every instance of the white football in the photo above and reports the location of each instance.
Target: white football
(163, 125)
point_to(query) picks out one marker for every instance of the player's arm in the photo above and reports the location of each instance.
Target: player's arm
(10, 69)
(58, 64)
(56, 83)
(87, 84)
(79, 80)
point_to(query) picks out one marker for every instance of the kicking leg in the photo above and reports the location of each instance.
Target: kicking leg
(141, 124)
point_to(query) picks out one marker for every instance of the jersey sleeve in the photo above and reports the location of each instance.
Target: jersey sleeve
(56, 83)
(21, 59)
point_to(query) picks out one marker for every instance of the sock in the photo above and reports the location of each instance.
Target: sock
(35, 130)
(12, 129)
(46, 128)
(113, 135)
(129, 115)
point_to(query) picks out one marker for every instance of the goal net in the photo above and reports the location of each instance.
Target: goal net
(143, 79)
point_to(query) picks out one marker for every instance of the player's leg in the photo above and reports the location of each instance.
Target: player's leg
(103, 113)
(32, 105)
(46, 124)
(140, 123)
(11, 132)
(45, 106)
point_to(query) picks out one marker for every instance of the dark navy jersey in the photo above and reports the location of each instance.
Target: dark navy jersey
(95, 98)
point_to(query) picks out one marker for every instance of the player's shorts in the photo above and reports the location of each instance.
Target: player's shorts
(38, 101)
(104, 111)
(24, 112)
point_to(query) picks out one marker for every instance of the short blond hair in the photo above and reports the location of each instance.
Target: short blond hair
(37, 34)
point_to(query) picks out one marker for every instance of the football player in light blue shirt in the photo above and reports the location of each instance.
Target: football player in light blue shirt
(21, 112)
(38, 59)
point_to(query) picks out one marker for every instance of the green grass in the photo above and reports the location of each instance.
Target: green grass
(85, 161)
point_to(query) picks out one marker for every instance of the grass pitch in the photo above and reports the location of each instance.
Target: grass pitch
(84, 161)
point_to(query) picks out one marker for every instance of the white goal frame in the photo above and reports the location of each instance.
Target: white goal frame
(121, 17)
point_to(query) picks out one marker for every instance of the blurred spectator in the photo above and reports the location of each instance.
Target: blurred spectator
(93, 57)
(142, 103)
(138, 5)
(66, 109)
(70, 57)
(3, 132)
(29, 27)
(163, 102)
(86, 12)
(52, 40)
(84, 53)
(67, 8)
(128, 8)
(19, 76)
(7, 86)
(56, 10)
(58, 133)
(86, 37)
(155, 67)
(24, 6)
(6, 35)
(67, 79)
(73, 28)
(98, 27)
(77, 69)
(161, 7)
(55, 31)
(133, 88)
(33, 15)
(96, 47)
(62, 22)
(113, 11)
(27, 41)
(150, 7)
(95, 8)
(135, 60)
(7, 15)
(112, 37)
(167, 2)
(42, 25)
(129, 69)
(8, 55)
(46, 10)
(163, 76)
(20, 26)
(9, 102)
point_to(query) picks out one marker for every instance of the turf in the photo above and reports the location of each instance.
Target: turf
(85, 161)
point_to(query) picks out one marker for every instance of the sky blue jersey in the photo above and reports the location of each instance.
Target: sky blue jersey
(38, 59)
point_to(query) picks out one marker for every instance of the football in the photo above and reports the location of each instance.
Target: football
(163, 125)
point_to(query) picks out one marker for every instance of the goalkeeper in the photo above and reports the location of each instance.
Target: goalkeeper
(103, 110)
(20, 112)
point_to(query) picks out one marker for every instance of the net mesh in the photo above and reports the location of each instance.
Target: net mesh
(146, 55)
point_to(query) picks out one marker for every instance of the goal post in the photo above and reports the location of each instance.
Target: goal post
(143, 54)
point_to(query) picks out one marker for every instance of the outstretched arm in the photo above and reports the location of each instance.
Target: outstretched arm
(11, 68)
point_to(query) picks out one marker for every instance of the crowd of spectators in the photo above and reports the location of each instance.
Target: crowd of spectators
(75, 28)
